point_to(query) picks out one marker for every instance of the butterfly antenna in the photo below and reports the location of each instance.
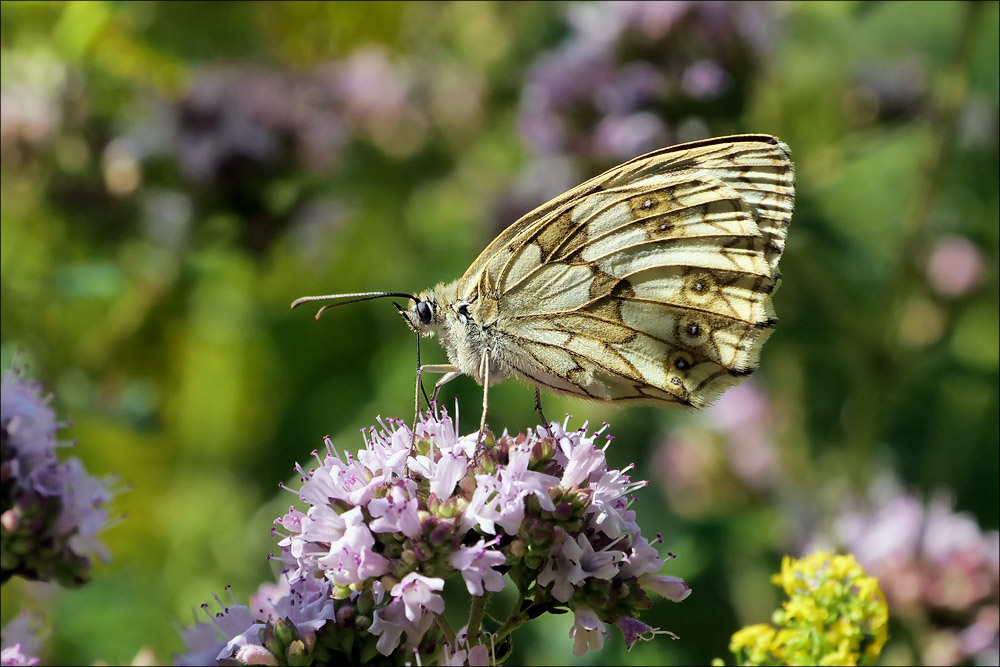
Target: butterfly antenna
(351, 298)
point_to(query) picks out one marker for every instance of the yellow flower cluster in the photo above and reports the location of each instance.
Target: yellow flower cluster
(835, 615)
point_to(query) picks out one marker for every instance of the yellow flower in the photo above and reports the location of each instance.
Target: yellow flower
(835, 615)
(800, 608)
(756, 640)
(760, 635)
(842, 656)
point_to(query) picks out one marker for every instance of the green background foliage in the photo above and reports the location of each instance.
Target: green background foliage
(152, 294)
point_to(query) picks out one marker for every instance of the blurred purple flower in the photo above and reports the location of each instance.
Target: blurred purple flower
(629, 71)
(384, 102)
(629, 135)
(276, 112)
(743, 414)
(240, 128)
(704, 79)
(371, 86)
(52, 511)
(13, 655)
(714, 463)
(632, 85)
(284, 117)
(956, 267)
(19, 640)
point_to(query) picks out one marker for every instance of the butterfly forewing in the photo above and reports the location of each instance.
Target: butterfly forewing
(650, 282)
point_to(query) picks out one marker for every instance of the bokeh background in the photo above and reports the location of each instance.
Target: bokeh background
(175, 174)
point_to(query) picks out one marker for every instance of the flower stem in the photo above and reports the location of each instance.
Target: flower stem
(449, 632)
(516, 619)
(476, 614)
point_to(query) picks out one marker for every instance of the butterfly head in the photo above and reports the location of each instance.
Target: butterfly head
(426, 311)
(422, 315)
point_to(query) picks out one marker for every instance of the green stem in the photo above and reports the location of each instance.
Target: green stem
(516, 619)
(449, 632)
(476, 616)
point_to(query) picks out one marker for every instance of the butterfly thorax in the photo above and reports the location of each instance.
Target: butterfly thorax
(466, 326)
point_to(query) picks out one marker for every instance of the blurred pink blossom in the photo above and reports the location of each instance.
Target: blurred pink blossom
(744, 415)
(956, 267)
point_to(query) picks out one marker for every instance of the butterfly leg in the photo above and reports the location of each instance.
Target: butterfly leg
(448, 377)
(484, 371)
(538, 406)
(450, 373)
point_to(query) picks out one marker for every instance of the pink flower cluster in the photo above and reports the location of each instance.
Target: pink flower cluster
(401, 521)
(367, 556)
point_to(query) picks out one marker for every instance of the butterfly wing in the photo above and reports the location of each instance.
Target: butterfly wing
(651, 282)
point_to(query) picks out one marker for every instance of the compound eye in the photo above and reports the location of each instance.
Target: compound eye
(424, 312)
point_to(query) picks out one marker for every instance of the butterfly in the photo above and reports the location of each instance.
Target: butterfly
(650, 283)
